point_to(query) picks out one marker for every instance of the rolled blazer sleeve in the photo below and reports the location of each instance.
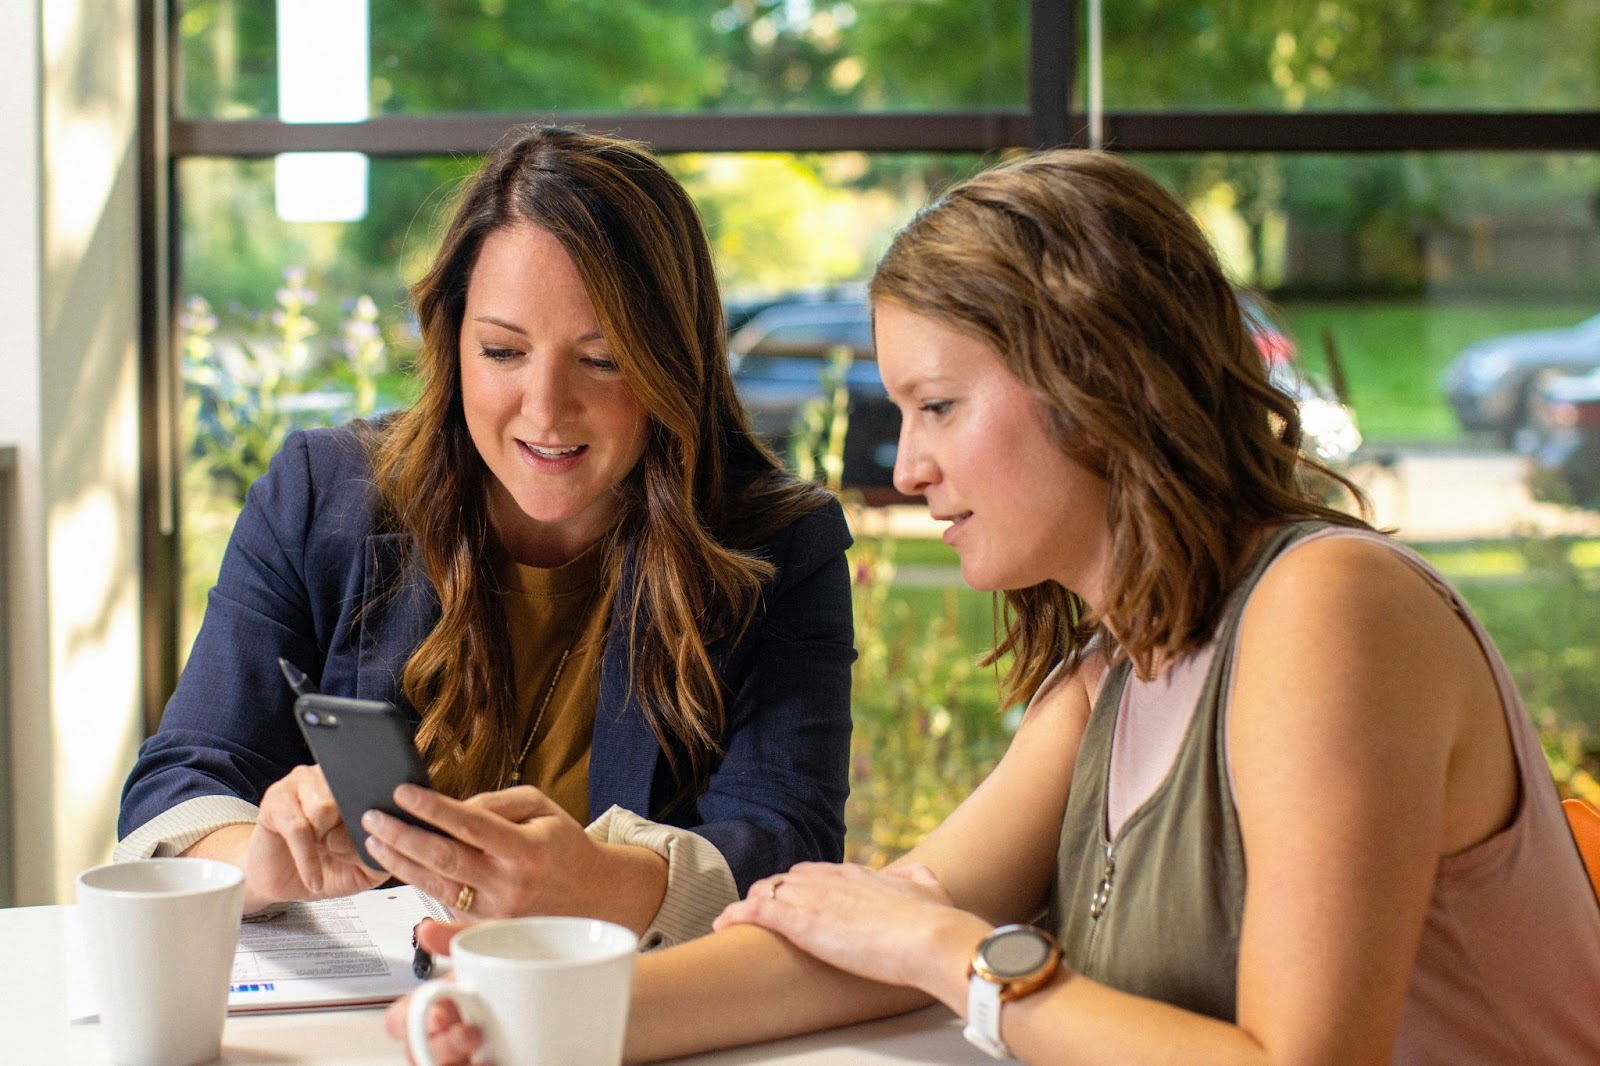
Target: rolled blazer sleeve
(228, 729)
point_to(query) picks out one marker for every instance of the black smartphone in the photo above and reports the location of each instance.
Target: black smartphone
(366, 750)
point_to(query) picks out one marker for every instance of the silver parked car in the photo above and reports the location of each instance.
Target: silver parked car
(1562, 440)
(1491, 382)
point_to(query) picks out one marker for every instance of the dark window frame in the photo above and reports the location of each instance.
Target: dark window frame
(1052, 117)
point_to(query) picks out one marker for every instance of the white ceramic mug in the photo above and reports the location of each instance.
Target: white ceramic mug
(159, 935)
(545, 991)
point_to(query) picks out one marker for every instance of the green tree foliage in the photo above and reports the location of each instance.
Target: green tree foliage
(1351, 54)
(1545, 624)
(945, 54)
(531, 55)
(228, 51)
(1302, 55)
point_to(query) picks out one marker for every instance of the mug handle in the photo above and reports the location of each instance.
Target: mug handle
(467, 1002)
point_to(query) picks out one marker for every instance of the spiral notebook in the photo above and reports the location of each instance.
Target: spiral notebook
(354, 951)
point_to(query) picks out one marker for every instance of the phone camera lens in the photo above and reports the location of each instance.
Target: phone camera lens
(312, 718)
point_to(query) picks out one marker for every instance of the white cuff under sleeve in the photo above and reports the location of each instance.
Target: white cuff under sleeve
(699, 882)
(173, 831)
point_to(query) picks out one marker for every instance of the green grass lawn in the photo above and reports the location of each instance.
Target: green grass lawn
(925, 551)
(927, 731)
(1394, 350)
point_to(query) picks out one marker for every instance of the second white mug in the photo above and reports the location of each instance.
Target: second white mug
(548, 991)
(160, 936)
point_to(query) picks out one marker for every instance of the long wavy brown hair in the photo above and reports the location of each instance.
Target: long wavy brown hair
(704, 492)
(1104, 298)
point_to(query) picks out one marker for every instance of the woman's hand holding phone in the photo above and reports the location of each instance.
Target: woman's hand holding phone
(520, 853)
(299, 848)
(516, 849)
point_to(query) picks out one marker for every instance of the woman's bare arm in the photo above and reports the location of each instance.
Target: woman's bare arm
(741, 986)
(993, 855)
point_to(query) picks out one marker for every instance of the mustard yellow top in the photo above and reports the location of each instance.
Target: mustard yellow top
(549, 611)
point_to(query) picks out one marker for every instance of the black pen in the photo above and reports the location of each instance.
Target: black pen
(297, 678)
(421, 961)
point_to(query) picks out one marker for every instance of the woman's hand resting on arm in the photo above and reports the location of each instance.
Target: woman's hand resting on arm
(520, 853)
(296, 849)
(896, 926)
(915, 923)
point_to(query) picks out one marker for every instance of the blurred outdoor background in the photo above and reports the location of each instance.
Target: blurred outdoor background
(1426, 305)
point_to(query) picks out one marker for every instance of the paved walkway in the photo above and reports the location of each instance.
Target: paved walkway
(1463, 496)
(1425, 496)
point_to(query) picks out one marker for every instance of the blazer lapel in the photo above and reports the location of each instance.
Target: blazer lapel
(623, 754)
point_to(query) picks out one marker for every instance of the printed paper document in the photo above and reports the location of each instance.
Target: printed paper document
(348, 952)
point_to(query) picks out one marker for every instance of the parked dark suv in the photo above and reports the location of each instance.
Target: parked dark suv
(778, 357)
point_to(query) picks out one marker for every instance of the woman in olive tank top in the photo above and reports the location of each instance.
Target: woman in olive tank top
(1273, 799)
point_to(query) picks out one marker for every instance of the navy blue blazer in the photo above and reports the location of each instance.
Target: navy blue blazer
(302, 578)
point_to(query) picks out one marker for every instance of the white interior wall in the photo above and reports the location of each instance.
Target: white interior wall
(68, 356)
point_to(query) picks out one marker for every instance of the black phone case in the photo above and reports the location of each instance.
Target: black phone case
(366, 750)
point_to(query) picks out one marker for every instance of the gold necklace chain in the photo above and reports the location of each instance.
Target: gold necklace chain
(544, 705)
(584, 622)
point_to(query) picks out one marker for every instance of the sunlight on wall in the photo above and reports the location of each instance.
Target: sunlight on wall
(88, 126)
(94, 645)
(76, 727)
(94, 639)
(89, 150)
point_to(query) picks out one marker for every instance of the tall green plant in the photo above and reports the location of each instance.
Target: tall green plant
(1544, 624)
(816, 440)
(364, 347)
(921, 742)
(235, 386)
(244, 390)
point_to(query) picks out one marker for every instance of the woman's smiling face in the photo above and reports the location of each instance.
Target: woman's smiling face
(974, 442)
(544, 400)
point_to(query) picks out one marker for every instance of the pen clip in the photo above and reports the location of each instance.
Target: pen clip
(421, 958)
(297, 678)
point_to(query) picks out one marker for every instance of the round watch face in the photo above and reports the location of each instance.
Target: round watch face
(1015, 953)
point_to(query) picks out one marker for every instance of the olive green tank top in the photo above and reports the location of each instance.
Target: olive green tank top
(1157, 911)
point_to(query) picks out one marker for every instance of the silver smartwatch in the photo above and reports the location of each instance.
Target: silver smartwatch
(1009, 963)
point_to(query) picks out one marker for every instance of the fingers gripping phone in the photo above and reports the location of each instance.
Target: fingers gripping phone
(366, 750)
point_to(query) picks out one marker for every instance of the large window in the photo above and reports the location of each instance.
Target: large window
(289, 324)
(1377, 173)
(665, 56)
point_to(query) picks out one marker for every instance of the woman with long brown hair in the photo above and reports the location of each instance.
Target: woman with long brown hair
(1274, 798)
(601, 598)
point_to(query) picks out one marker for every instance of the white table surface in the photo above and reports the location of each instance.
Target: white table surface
(34, 1027)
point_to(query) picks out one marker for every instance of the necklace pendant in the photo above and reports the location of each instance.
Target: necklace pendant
(516, 778)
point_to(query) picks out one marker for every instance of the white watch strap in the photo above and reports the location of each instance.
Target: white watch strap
(983, 1017)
